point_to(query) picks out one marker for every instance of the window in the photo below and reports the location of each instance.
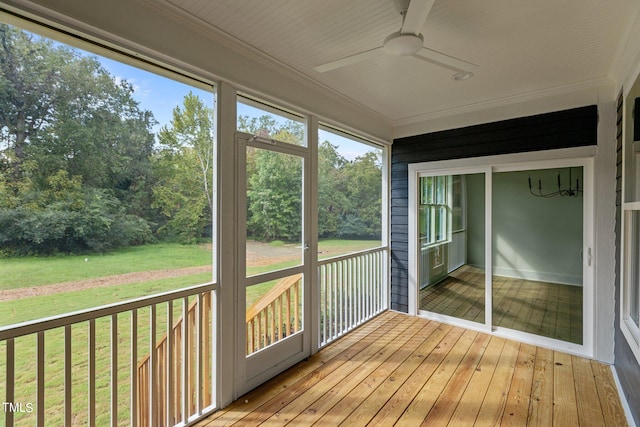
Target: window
(434, 209)
(349, 193)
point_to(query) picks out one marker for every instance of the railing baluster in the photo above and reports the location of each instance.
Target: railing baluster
(114, 370)
(374, 283)
(206, 348)
(323, 304)
(185, 360)
(91, 413)
(169, 367)
(272, 321)
(367, 287)
(288, 297)
(10, 380)
(133, 419)
(40, 379)
(337, 312)
(199, 355)
(67, 375)
(363, 288)
(344, 298)
(153, 367)
(296, 305)
(359, 290)
(279, 307)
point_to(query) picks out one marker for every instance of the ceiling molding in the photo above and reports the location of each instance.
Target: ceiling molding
(506, 101)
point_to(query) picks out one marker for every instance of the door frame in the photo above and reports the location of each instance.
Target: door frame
(584, 157)
(264, 364)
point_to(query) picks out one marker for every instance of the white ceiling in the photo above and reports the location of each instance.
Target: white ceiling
(522, 47)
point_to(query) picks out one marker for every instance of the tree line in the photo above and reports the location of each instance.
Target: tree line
(81, 169)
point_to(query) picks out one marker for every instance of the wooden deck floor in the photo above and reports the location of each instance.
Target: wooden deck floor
(407, 371)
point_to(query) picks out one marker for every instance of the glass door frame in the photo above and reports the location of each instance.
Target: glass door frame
(262, 365)
(581, 157)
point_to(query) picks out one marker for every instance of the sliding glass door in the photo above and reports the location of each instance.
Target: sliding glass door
(504, 247)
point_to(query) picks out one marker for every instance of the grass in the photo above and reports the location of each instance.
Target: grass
(27, 272)
(37, 271)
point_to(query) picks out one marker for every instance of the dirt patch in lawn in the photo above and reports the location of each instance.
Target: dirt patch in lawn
(258, 255)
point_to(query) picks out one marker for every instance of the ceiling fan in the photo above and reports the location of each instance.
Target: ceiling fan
(408, 42)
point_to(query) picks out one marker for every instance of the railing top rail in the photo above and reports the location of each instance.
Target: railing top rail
(40, 325)
(352, 255)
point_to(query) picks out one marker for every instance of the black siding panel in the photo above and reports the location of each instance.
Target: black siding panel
(563, 129)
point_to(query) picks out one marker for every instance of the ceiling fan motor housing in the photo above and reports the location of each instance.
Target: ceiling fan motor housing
(403, 44)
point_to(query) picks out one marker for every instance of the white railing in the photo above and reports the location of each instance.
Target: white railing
(352, 290)
(82, 368)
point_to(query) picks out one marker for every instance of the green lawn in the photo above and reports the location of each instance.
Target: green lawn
(27, 272)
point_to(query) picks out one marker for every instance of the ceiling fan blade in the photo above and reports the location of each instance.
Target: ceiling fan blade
(348, 60)
(416, 15)
(446, 61)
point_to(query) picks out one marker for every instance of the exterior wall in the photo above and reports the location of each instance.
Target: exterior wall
(625, 361)
(564, 129)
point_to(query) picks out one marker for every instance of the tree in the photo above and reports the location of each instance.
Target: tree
(364, 192)
(74, 151)
(332, 197)
(184, 170)
(275, 197)
(30, 86)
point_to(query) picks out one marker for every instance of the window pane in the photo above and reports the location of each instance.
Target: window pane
(441, 223)
(441, 190)
(428, 184)
(457, 203)
(537, 253)
(349, 194)
(274, 211)
(266, 121)
(451, 266)
(109, 194)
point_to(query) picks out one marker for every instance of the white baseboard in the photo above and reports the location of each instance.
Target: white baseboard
(537, 276)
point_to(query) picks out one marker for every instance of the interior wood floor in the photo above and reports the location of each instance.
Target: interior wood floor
(546, 309)
(408, 371)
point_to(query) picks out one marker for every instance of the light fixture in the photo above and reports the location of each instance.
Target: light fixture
(462, 75)
(566, 192)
